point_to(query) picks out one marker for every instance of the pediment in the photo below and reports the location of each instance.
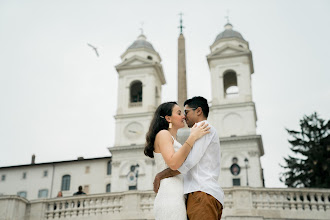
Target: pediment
(228, 50)
(135, 61)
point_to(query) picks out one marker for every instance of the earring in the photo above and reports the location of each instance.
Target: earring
(170, 125)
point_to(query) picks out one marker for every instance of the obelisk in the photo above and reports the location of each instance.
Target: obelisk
(182, 80)
(183, 133)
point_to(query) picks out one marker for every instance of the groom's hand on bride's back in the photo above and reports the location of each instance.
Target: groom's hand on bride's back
(162, 175)
(156, 183)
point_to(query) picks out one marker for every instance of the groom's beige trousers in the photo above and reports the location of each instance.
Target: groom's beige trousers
(201, 205)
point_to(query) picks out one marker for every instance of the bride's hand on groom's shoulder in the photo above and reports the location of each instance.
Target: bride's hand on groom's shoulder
(200, 130)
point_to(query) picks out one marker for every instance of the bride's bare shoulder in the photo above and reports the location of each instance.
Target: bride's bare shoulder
(163, 134)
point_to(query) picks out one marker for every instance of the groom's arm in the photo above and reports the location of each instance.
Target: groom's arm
(162, 175)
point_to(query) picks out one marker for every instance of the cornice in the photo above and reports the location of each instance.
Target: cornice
(147, 64)
(230, 39)
(133, 115)
(212, 57)
(233, 105)
(57, 162)
(126, 148)
(258, 138)
(139, 50)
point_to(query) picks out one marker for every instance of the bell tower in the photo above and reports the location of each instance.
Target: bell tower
(233, 111)
(140, 80)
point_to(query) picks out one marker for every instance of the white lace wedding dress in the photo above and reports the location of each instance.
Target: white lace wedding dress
(170, 202)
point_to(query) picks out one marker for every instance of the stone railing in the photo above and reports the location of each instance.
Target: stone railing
(240, 203)
(275, 203)
(126, 205)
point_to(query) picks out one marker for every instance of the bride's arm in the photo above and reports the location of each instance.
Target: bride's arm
(172, 159)
(165, 143)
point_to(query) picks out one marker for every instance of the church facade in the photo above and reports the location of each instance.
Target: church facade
(232, 113)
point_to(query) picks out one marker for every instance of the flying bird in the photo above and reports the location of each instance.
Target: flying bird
(95, 49)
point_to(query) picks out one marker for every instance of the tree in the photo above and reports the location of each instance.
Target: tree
(311, 145)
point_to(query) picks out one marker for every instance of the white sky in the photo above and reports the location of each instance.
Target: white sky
(57, 99)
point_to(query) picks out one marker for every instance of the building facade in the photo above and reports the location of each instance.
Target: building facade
(45, 180)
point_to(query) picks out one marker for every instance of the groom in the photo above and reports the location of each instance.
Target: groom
(201, 169)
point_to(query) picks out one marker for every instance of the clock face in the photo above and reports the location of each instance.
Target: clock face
(133, 130)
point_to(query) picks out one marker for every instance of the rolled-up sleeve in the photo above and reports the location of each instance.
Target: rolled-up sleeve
(197, 152)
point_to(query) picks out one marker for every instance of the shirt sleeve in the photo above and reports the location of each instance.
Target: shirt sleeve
(197, 152)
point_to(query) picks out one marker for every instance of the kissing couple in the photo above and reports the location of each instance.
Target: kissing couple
(187, 180)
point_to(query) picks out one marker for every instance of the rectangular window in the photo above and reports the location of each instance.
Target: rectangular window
(237, 182)
(131, 187)
(24, 175)
(3, 177)
(45, 173)
(109, 167)
(43, 193)
(87, 169)
(66, 179)
(86, 189)
(22, 194)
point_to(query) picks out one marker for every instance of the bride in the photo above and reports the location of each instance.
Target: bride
(162, 145)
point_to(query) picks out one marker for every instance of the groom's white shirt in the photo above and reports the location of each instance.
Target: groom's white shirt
(201, 169)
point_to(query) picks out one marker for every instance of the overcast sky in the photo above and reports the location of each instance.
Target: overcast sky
(58, 99)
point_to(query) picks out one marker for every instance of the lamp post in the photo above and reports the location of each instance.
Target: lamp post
(246, 168)
(137, 173)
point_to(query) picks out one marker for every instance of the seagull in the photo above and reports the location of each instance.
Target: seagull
(95, 49)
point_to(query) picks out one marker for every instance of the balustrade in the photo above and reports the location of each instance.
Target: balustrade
(80, 206)
(269, 203)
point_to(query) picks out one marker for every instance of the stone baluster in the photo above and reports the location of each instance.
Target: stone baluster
(81, 208)
(265, 200)
(272, 200)
(254, 200)
(56, 210)
(104, 205)
(116, 205)
(110, 206)
(92, 207)
(314, 202)
(327, 201)
(72, 206)
(306, 202)
(299, 202)
(87, 207)
(278, 202)
(259, 200)
(321, 201)
(98, 203)
(285, 201)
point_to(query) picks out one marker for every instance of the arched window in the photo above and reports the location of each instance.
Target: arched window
(66, 179)
(109, 167)
(108, 188)
(136, 92)
(230, 84)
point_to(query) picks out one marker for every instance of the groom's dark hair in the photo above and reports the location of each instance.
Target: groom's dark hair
(198, 101)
